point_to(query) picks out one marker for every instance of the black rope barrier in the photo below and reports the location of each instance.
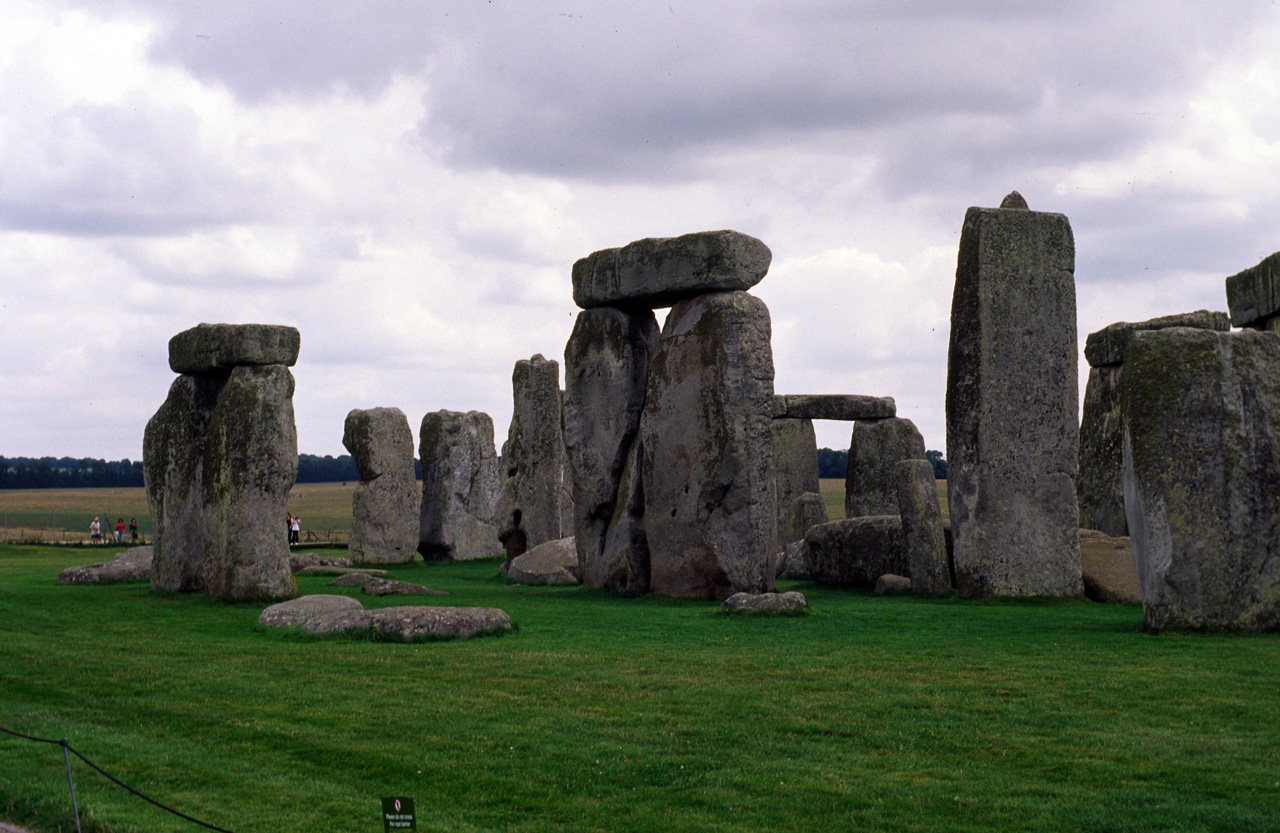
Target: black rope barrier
(66, 747)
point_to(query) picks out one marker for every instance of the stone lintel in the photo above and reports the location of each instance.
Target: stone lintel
(1253, 295)
(1108, 346)
(836, 406)
(208, 347)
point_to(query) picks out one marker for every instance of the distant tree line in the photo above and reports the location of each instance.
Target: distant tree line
(835, 463)
(71, 473)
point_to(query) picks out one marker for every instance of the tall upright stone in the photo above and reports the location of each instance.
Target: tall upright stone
(459, 486)
(1202, 476)
(1012, 397)
(1099, 487)
(606, 362)
(795, 474)
(922, 533)
(219, 457)
(871, 477)
(532, 495)
(385, 504)
(707, 468)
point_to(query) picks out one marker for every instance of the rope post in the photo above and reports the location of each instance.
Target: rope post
(74, 807)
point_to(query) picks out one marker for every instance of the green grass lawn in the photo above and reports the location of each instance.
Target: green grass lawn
(609, 713)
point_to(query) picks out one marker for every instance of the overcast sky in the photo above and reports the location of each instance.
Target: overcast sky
(409, 183)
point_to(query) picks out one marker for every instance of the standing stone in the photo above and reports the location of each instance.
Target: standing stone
(459, 486)
(1253, 296)
(606, 367)
(659, 271)
(922, 534)
(1202, 476)
(707, 468)
(795, 474)
(871, 479)
(1012, 396)
(1099, 487)
(531, 502)
(219, 458)
(384, 506)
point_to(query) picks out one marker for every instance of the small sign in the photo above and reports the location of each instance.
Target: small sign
(397, 814)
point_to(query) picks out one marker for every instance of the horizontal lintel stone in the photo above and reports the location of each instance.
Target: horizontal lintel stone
(1253, 295)
(836, 406)
(1108, 346)
(208, 347)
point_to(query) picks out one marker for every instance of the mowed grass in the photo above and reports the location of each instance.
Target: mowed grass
(30, 514)
(832, 490)
(604, 712)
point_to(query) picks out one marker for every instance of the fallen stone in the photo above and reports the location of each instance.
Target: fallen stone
(133, 564)
(410, 624)
(854, 552)
(300, 560)
(1106, 565)
(356, 579)
(296, 611)
(922, 533)
(207, 347)
(459, 487)
(1012, 406)
(552, 562)
(606, 370)
(375, 586)
(1201, 480)
(329, 570)
(842, 407)
(889, 583)
(1253, 296)
(789, 602)
(871, 477)
(386, 503)
(707, 470)
(658, 272)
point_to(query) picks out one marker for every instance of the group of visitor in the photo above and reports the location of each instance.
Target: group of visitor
(293, 523)
(95, 531)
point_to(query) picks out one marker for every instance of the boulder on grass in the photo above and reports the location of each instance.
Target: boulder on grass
(299, 610)
(131, 565)
(889, 583)
(790, 602)
(554, 562)
(412, 624)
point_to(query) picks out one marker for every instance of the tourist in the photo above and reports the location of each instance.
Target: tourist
(120, 530)
(295, 530)
(95, 532)
(133, 530)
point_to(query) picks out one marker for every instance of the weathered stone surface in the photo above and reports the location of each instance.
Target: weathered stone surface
(856, 551)
(658, 272)
(871, 479)
(626, 544)
(1099, 490)
(385, 504)
(1253, 296)
(606, 369)
(1106, 565)
(133, 564)
(707, 467)
(1202, 476)
(375, 586)
(353, 579)
(211, 347)
(219, 458)
(532, 498)
(842, 407)
(301, 560)
(795, 474)
(1109, 345)
(807, 511)
(551, 562)
(299, 610)
(331, 570)
(459, 486)
(789, 602)
(408, 624)
(1012, 396)
(888, 584)
(922, 534)
(791, 561)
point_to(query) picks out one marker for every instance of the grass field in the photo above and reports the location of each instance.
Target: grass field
(603, 712)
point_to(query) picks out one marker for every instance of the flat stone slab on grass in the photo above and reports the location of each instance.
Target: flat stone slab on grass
(836, 406)
(301, 560)
(408, 623)
(207, 347)
(659, 271)
(375, 586)
(325, 570)
(299, 610)
(131, 565)
(789, 602)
